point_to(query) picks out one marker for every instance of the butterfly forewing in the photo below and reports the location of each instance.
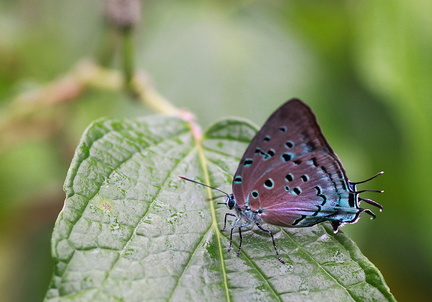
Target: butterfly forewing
(289, 136)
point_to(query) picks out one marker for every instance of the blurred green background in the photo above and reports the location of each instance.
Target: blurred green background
(365, 67)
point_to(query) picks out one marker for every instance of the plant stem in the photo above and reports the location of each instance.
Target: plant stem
(128, 59)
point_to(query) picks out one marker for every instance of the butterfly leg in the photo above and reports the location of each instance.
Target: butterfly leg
(240, 242)
(273, 240)
(232, 229)
(241, 237)
(225, 220)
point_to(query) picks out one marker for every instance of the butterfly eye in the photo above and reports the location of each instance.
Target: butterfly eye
(230, 203)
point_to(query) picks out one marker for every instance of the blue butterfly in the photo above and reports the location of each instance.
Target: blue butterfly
(289, 176)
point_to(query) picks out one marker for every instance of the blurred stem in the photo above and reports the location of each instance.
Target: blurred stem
(29, 114)
(106, 49)
(85, 75)
(123, 16)
(128, 59)
(149, 96)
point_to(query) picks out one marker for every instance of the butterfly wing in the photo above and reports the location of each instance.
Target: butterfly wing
(289, 169)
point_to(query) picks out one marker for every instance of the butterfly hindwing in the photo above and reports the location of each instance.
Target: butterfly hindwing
(294, 195)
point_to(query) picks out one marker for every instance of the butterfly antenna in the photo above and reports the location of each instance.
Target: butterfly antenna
(360, 182)
(216, 197)
(200, 183)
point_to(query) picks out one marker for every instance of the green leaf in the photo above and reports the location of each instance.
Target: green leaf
(131, 230)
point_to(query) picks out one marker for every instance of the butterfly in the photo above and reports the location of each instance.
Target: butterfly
(289, 176)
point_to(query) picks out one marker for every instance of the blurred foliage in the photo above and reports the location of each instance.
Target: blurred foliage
(364, 67)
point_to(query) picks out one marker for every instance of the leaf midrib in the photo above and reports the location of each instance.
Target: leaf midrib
(203, 164)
